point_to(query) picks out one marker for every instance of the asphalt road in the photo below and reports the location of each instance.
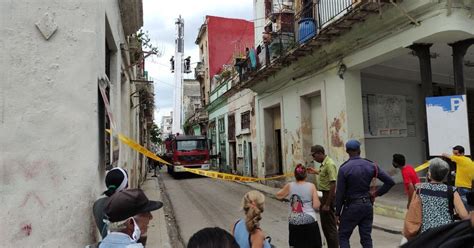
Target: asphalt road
(199, 202)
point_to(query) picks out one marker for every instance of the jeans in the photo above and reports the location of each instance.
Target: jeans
(463, 193)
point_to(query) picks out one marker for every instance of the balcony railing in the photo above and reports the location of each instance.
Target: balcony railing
(316, 24)
(199, 70)
(332, 9)
(220, 90)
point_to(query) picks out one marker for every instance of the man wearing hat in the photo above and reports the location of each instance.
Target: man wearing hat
(128, 212)
(354, 201)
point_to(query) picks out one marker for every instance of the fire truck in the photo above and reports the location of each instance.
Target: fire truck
(186, 151)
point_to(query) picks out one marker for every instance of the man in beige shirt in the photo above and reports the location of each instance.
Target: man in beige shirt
(327, 184)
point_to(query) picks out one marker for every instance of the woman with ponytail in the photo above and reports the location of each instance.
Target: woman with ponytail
(247, 231)
(115, 180)
(303, 197)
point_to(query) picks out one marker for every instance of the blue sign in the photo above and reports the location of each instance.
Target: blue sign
(447, 103)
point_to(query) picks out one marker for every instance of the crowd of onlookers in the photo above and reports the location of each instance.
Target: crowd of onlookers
(438, 213)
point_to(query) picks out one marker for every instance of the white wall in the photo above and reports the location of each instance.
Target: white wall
(381, 150)
(259, 20)
(340, 103)
(49, 125)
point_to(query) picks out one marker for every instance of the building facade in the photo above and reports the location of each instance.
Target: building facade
(166, 122)
(229, 111)
(363, 74)
(71, 71)
(191, 98)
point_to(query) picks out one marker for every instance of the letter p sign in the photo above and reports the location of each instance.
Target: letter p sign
(455, 103)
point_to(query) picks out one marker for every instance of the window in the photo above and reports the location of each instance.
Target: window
(104, 124)
(190, 145)
(245, 120)
(231, 127)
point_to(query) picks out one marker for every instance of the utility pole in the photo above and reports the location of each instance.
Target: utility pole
(177, 126)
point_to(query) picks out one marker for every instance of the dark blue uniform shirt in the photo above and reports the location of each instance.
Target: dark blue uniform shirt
(354, 178)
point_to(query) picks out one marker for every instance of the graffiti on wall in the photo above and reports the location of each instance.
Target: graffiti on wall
(34, 176)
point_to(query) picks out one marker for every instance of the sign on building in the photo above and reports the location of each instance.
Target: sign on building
(388, 116)
(447, 124)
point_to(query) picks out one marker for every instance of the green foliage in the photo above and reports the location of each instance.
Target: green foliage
(144, 38)
(155, 134)
(226, 74)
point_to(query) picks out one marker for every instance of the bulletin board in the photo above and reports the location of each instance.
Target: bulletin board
(388, 116)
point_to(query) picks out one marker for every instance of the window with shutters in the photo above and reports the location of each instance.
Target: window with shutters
(245, 120)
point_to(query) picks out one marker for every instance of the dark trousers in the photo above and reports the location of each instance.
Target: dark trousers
(359, 214)
(328, 222)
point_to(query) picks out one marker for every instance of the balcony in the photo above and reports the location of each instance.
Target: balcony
(199, 71)
(317, 25)
(220, 90)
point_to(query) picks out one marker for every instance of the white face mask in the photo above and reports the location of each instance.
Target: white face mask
(136, 231)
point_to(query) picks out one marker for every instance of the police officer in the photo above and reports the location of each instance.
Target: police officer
(354, 202)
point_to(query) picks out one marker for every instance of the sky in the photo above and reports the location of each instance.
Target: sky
(159, 18)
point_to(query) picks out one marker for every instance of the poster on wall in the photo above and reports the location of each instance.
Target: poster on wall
(447, 124)
(386, 116)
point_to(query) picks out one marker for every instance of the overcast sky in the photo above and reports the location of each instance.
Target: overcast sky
(159, 18)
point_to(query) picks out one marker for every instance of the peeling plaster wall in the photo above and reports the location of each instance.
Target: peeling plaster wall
(49, 126)
(377, 39)
(341, 108)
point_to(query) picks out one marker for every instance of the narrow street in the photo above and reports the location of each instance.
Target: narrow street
(202, 202)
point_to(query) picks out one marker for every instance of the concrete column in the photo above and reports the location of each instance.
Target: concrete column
(423, 53)
(459, 50)
(342, 102)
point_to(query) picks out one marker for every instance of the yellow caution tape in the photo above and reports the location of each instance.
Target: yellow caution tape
(137, 147)
(422, 167)
(231, 177)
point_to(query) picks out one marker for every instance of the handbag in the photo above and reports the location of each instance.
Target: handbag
(413, 217)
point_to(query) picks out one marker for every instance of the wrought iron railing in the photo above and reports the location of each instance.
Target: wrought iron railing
(329, 10)
(278, 42)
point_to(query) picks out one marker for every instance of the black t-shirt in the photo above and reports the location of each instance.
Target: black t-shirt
(98, 211)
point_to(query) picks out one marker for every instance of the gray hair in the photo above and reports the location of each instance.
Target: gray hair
(439, 169)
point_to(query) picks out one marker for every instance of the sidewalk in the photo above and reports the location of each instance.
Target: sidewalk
(157, 230)
(389, 210)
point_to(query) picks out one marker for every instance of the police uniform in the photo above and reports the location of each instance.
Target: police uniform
(354, 205)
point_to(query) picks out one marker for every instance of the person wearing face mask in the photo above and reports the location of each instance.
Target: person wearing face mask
(115, 180)
(128, 214)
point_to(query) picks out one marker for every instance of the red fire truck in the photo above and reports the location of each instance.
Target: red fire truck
(185, 151)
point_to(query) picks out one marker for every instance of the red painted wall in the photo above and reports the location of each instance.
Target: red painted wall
(227, 36)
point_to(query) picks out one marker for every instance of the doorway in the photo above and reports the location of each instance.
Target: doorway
(312, 123)
(278, 150)
(233, 155)
(248, 157)
(273, 141)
